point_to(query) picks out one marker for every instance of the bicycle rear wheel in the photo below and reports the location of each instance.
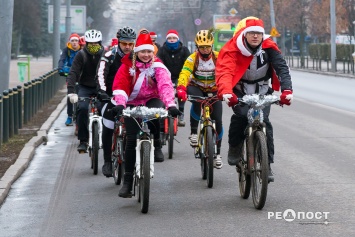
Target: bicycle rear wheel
(171, 138)
(261, 169)
(243, 175)
(209, 153)
(144, 181)
(95, 147)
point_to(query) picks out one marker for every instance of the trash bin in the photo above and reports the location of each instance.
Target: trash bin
(22, 66)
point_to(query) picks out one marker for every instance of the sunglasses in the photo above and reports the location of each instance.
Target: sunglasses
(205, 47)
(125, 44)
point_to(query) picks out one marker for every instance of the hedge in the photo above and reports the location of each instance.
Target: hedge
(322, 51)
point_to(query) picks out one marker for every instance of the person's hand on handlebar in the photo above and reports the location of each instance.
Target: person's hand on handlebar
(181, 93)
(286, 97)
(230, 99)
(117, 110)
(174, 111)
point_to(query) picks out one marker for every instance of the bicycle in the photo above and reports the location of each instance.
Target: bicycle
(117, 154)
(253, 169)
(170, 131)
(206, 150)
(144, 167)
(95, 132)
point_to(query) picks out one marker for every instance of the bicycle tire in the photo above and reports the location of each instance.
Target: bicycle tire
(117, 161)
(202, 157)
(261, 170)
(95, 147)
(171, 138)
(243, 175)
(209, 154)
(144, 181)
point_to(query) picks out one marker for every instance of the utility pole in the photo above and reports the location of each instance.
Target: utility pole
(56, 33)
(6, 16)
(332, 34)
(68, 21)
(272, 16)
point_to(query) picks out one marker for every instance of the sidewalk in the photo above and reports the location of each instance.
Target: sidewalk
(38, 67)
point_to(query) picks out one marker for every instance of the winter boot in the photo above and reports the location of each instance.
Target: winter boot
(126, 190)
(158, 154)
(235, 154)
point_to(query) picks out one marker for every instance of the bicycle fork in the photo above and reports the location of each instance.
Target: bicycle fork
(95, 119)
(138, 157)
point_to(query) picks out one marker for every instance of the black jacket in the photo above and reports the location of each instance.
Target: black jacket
(173, 59)
(109, 64)
(83, 69)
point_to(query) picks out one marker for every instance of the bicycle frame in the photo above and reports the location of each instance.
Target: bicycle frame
(255, 120)
(205, 118)
(142, 115)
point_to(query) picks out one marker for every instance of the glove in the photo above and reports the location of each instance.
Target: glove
(174, 111)
(73, 98)
(62, 74)
(103, 96)
(181, 93)
(230, 99)
(117, 110)
(286, 97)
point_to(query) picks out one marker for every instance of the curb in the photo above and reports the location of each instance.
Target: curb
(27, 153)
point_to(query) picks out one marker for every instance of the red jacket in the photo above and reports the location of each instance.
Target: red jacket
(232, 64)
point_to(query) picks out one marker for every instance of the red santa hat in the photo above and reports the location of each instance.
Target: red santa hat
(172, 33)
(143, 42)
(74, 36)
(256, 25)
(114, 41)
(153, 35)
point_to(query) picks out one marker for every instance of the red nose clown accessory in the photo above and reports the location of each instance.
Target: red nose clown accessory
(144, 42)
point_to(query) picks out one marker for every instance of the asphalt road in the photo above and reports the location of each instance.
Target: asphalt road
(314, 177)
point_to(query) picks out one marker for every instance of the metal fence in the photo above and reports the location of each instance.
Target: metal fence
(345, 65)
(19, 104)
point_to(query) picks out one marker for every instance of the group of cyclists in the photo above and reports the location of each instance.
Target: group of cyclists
(133, 72)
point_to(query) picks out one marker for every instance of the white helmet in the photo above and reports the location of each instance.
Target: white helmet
(93, 36)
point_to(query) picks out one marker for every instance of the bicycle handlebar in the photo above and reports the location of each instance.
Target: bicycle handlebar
(196, 97)
(144, 112)
(258, 101)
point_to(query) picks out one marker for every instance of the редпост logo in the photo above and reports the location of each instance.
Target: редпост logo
(290, 215)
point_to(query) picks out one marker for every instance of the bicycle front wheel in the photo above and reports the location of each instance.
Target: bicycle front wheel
(171, 138)
(117, 161)
(261, 170)
(243, 174)
(144, 181)
(209, 154)
(95, 147)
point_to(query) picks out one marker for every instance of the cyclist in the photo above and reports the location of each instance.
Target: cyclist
(154, 37)
(106, 72)
(245, 66)
(83, 71)
(173, 54)
(142, 79)
(65, 61)
(197, 77)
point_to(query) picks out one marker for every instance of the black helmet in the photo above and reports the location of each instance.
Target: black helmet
(127, 34)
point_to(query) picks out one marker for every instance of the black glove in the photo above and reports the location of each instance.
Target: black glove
(117, 110)
(62, 74)
(103, 96)
(174, 111)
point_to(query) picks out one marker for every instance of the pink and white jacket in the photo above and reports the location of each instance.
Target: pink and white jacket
(148, 81)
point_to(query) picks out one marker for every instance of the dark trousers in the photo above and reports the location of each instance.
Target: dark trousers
(195, 114)
(83, 110)
(239, 122)
(108, 121)
(131, 134)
